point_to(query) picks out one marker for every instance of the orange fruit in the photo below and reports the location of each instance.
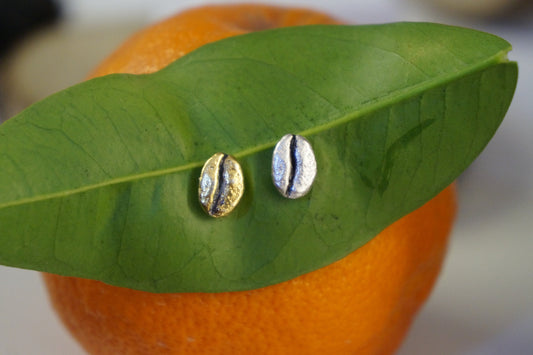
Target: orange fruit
(361, 304)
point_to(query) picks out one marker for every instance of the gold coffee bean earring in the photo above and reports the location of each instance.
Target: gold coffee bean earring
(293, 166)
(221, 185)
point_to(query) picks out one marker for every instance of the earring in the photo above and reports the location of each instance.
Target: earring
(293, 166)
(221, 185)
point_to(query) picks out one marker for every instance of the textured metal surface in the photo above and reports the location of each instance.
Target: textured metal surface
(221, 185)
(293, 166)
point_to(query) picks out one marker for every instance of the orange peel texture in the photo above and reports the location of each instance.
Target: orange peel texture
(361, 304)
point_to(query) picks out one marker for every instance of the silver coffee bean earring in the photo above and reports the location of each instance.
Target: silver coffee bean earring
(221, 185)
(293, 166)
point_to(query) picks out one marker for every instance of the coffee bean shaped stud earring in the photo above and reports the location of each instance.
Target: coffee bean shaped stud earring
(221, 185)
(293, 166)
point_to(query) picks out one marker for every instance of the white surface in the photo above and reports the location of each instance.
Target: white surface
(482, 304)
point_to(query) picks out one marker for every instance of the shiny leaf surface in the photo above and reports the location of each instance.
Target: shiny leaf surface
(101, 180)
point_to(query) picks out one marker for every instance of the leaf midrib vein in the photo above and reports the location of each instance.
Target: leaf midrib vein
(394, 97)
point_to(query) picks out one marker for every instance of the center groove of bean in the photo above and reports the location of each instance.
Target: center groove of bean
(294, 163)
(220, 185)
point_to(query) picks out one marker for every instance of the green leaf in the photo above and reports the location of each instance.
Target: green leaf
(100, 180)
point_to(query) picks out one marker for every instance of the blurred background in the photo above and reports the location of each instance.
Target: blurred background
(482, 304)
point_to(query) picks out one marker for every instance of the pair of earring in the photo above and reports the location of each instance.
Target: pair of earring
(222, 183)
